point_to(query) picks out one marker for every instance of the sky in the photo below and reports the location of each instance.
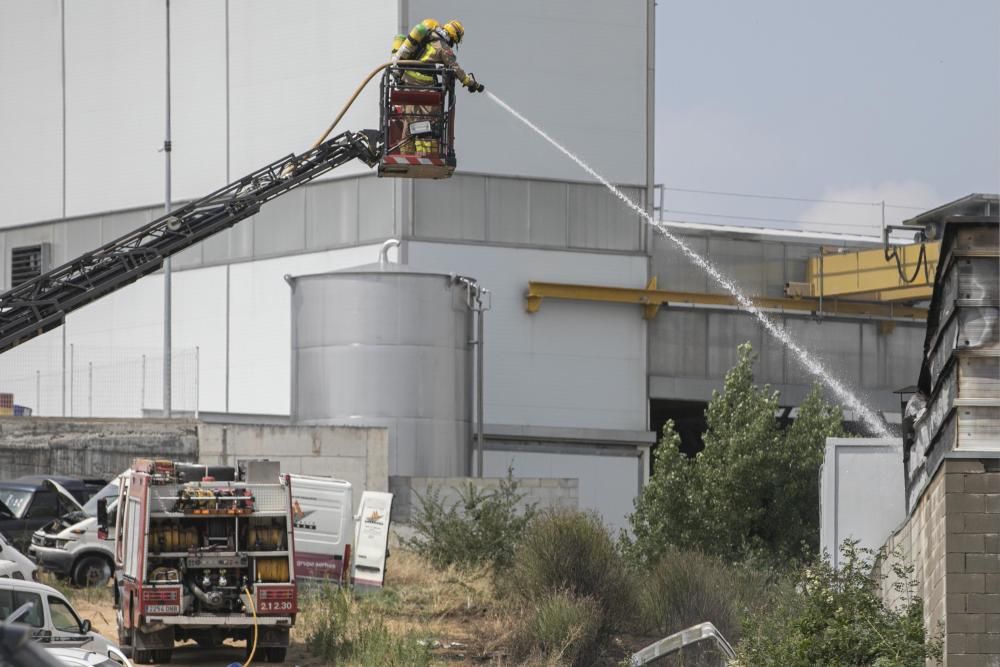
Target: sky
(846, 100)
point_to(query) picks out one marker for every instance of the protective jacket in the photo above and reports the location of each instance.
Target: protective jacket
(434, 49)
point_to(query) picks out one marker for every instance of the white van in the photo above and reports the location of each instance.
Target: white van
(52, 618)
(324, 527)
(71, 547)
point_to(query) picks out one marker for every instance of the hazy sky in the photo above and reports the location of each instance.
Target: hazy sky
(843, 99)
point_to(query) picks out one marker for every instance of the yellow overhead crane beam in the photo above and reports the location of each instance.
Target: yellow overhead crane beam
(651, 299)
(868, 276)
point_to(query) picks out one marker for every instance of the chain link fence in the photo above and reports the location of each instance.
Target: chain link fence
(98, 381)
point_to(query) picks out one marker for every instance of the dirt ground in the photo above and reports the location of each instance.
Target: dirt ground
(453, 609)
(98, 609)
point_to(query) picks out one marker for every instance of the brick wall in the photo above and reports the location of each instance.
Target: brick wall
(544, 493)
(952, 538)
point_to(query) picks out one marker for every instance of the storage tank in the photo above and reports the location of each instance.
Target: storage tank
(387, 345)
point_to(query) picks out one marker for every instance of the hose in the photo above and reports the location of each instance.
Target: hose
(358, 92)
(253, 610)
(291, 166)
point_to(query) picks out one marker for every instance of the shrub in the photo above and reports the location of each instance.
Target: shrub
(684, 588)
(573, 553)
(560, 629)
(340, 633)
(837, 617)
(479, 528)
(753, 492)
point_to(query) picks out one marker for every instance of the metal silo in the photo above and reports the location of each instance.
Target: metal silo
(388, 345)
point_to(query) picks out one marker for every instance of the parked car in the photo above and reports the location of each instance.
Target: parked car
(28, 503)
(71, 546)
(78, 657)
(52, 618)
(15, 564)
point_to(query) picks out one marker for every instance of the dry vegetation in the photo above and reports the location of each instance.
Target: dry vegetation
(455, 611)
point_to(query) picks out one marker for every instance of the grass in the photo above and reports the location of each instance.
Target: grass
(448, 614)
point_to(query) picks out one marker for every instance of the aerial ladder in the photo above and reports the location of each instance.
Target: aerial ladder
(415, 139)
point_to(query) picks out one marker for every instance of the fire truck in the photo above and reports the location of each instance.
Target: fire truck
(204, 553)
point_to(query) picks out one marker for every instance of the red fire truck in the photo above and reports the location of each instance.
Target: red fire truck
(202, 553)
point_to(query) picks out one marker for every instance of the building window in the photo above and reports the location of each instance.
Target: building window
(28, 262)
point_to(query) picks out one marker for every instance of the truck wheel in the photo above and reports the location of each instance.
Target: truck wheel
(276, 653)
(91, 571)
(163, 655)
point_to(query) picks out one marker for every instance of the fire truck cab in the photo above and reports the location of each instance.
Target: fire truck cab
(203, 554)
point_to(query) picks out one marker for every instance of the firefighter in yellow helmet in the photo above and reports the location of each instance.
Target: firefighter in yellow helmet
(431, 42)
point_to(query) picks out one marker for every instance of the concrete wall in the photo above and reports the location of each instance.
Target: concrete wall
(90, 447)
(543, 493)
(359, 455)
(105, 447)
(952, 539)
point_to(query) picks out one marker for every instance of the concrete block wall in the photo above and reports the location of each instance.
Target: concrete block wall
(106, 447)
(543, 493)
(90, 447)
(359, 455)
(921, 543)
(952, 538)
(972, 505)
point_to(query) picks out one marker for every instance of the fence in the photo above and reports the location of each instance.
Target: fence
(98, 381)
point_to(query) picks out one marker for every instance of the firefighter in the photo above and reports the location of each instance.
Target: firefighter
(431, 43)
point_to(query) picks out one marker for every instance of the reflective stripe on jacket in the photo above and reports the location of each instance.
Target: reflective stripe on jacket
(436, 51)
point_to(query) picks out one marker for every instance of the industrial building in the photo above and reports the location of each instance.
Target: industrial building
(597, 331)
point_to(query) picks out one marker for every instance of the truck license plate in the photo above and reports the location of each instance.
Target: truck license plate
(162, 609)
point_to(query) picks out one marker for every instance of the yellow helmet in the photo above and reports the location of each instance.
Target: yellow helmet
(455, 30)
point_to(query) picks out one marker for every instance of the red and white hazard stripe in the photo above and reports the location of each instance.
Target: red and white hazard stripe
(413, 159)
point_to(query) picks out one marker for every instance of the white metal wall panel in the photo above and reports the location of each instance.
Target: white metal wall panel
(198, 96)
(260, 325)
(607, 484)
(114, 104)
(571, 364)
(199, 315)
(576, 68)
(452, 209)
(30, 111)
(292, 67)
(860, 475)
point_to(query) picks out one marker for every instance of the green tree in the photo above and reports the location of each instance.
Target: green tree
(754, 489)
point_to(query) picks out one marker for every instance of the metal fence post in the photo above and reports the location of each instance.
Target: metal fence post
(64, 369)
(197, 379)
(71, 367)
